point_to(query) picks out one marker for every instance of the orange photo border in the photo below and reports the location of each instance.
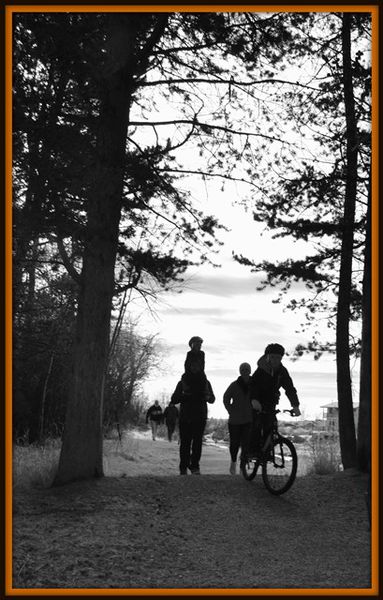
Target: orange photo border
(374, 590)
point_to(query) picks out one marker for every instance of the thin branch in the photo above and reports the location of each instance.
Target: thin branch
(206, 174)
(225, 82)
(66, 260)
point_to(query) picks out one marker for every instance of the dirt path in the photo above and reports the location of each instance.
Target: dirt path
(147, 527)
(140, 455)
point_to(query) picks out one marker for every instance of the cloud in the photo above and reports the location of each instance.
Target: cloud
(224, 286)
(195, 311)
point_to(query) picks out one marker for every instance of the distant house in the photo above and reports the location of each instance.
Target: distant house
(331, 415)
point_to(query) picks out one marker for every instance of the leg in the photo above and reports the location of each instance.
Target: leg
(255, 443)
(196, 450)
(171, 428)
(185, 443)
(235, 436)
(245, 440)
(267, 425)
(153, 425)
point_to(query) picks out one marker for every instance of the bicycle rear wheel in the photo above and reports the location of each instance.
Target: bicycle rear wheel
(280, 469)
(249, 468)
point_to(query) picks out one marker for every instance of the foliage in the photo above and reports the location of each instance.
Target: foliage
(109, 203)
(325, 455)
(42, 357)
(35, 465)
(218, 429)
(306, 199)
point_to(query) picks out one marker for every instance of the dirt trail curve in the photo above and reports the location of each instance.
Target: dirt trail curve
(156, 530)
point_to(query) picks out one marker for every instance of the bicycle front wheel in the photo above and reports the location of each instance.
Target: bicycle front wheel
(280, 469)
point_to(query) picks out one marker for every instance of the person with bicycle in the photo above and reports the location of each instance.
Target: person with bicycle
(265, 384)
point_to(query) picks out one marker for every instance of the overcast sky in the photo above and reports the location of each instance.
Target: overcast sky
(223, 305)
(235, 320)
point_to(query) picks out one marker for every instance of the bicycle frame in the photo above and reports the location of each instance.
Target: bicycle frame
(278, 460)
(273, 436)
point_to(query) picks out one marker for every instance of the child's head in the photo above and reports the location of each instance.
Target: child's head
(195, 342)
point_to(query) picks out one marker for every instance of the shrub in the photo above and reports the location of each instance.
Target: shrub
(325, 455)
(35, 465)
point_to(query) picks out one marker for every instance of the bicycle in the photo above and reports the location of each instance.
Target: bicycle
(278, 459)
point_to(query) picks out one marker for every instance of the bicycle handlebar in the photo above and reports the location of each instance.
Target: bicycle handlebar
(278, 410)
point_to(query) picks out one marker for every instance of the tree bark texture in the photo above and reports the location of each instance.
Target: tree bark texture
(346, 414)
(82, 449)
(82, 453)
(364, 421)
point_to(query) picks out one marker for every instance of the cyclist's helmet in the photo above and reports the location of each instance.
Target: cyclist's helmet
(275, 349)
(195, 338)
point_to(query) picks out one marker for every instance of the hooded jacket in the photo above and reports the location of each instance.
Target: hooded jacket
(192, 393)
(266, 382)
(236, 400)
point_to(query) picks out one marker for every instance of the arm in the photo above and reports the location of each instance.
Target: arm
(254, 392)
(227, 398)
(288, 386)
(177, 394)
(210, 396)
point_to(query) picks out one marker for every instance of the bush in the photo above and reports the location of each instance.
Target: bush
(325, 456)
(35, 465)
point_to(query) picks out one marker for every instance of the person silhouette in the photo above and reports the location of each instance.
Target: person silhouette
(192, 392)
(195, 354)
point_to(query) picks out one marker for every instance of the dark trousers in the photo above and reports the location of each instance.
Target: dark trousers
(261, 427)
(239, 438)
(191, 434)
(171, 428)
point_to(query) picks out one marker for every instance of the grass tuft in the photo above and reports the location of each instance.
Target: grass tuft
(325, 456)
(35, 466)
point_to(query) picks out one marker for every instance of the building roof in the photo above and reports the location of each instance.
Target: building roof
(335, 405)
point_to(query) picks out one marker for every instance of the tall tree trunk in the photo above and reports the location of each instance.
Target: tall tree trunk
(364, 420)
(346, 414)
(81, 454)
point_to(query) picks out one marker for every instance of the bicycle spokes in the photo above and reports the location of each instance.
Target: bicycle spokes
(249, 469)
(280, 468)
